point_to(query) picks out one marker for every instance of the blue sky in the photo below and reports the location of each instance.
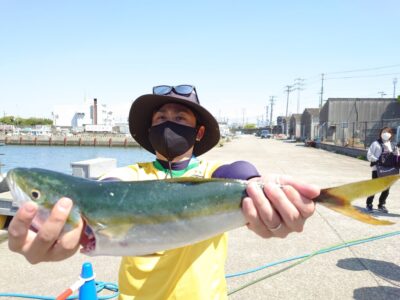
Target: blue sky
(236, 53)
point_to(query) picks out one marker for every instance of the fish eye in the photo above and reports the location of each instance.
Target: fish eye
(35, 194)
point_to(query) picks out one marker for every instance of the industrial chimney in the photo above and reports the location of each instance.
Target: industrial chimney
(95, 111)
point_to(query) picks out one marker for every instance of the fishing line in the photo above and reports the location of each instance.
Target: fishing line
(351, 250)
(114, 287)
(356, 256)
(304, 258)
(365, 240)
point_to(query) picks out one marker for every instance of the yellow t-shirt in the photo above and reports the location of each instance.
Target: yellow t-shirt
(191, 272)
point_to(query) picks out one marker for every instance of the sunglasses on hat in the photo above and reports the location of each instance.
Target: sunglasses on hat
(183, 90)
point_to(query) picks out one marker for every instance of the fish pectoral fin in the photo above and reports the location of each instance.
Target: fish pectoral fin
(354, 213)
(115, 232)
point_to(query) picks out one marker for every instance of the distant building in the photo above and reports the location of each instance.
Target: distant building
(295, 126)
(122, 128)
(339, 110)
(310, 123)
(349, 119)
(4, 128)
(98, 128)
(280, 125)
(38, 130)
(71, 115)
(78, 116)
(285, 125)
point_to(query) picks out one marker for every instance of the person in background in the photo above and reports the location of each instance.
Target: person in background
(383, 146)
(173, 125)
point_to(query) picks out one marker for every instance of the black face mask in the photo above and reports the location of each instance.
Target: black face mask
(171, 139)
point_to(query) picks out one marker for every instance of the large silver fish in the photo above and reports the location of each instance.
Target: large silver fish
(143, 217)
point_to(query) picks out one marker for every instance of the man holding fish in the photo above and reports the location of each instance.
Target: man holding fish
(173, 125)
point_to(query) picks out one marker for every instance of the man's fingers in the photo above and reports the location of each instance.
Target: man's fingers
(50, 230)
(289, 214)
(267, 213)
(309, 191)
(254, 222)
(304, 205)
(281, 207)
(18, 230)
(67, 243)
(267, 221)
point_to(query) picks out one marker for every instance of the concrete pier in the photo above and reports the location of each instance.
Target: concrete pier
(91, 140)
(366, 271)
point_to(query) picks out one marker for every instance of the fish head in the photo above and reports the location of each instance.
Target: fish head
(37, 185)
(44, 187)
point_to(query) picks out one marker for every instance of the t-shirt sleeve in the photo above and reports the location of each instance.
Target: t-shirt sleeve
(237, 170)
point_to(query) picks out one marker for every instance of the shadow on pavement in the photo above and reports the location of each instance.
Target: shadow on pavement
(376, 212)
(377, 293)
(383, 269)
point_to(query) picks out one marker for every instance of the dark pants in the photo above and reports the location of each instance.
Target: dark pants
(383, 196)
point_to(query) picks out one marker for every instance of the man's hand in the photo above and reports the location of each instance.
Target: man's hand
(49, 243)
(281, 207)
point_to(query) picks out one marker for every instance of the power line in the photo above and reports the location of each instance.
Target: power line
(366, 69)
(364, 76)
(382, 93)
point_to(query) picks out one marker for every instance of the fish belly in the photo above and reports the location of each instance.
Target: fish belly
(148, 239)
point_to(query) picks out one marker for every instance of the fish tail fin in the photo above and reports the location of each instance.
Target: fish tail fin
(339, 198)
(356, 214)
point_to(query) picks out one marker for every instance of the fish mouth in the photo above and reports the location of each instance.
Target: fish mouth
(19, 196)
(17, 193)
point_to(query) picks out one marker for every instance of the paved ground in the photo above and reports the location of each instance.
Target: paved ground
(366, 271)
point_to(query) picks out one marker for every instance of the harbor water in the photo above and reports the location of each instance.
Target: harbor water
(59, 158)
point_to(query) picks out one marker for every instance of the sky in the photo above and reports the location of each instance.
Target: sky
(238, 54)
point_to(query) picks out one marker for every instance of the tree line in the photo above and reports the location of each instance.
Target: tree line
(11, 120)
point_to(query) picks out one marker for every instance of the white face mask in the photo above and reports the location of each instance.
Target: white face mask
(385, 136)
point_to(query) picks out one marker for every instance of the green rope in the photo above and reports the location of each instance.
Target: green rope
(309, 256)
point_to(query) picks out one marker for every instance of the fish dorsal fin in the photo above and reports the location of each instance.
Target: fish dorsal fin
(195, 180)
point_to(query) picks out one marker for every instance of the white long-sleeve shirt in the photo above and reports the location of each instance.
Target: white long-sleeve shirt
(375, 151)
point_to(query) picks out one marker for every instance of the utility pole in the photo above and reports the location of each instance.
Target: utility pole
(299, 84)
(394, 87)
(271, 100)
(322, 90)
(289, 89)
(266, 115)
